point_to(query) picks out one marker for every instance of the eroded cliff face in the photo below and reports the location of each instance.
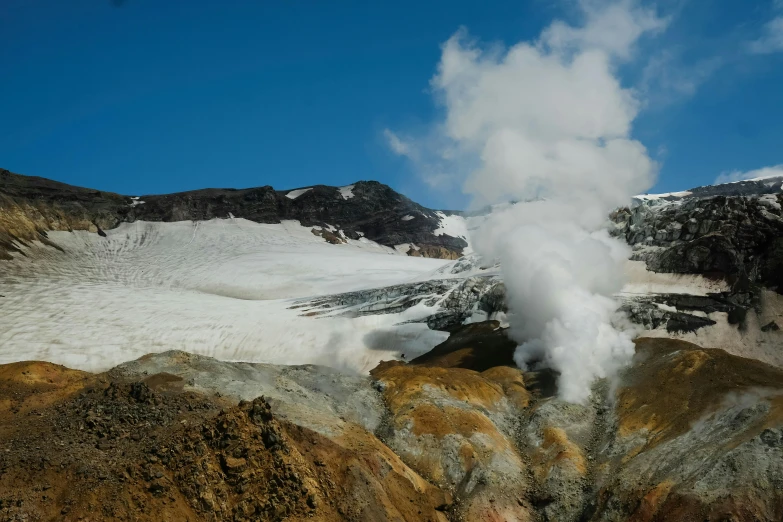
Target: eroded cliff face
(736, 237)
(696, 435)
(684, 434)
(729, 236)
(31, 206)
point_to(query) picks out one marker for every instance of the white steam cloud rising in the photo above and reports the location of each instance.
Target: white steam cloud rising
(548, 123)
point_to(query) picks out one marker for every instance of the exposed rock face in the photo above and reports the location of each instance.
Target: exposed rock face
(456, 428)
(29, 206)
(678, 315)
(726, 233)
(434, 251)
(738, 237)
(317, 397)
(478, 346)
(752, 187)
(695, 435)
(89, 447)
(685, 434)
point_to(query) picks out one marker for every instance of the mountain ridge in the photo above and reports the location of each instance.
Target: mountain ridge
(32, 206)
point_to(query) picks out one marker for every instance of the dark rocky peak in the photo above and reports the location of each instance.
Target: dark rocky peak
(42, 189)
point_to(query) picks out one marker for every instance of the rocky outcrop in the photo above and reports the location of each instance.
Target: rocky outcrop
(694, 435)
(30, 206)
(373, 210)
(726, 234)
(456, 428)
(685, 433)
(112, 449)
(433, 251)
(478, 346)
(735, 237)
(680, 313)
(749, 188)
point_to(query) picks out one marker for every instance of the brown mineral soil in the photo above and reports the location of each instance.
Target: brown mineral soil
(684, 434)
(74, 446)
(670, 387)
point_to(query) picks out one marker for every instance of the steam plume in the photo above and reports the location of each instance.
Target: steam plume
(548, 122)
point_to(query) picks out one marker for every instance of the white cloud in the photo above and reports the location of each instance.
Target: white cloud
(612, 28)
(737, 175)
(430, 155)
(548, 120)
(396, 144)
(666, 78)
(771, 40)
(543, 119)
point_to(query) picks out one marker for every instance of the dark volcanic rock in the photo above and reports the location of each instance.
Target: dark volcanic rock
(736, 237)
(676, 311)
(771, 326)
(477, 346)
(30, 206)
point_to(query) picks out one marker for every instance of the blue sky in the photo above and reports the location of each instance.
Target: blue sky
(151, 96)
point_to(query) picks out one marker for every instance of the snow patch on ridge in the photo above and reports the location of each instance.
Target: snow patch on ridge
(296, 193)
(770, 200)
(452, 225)
(458, 226)
(346, 192)
(655, 197)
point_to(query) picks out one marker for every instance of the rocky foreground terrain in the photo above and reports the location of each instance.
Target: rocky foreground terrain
(460, 434)
(690, 431)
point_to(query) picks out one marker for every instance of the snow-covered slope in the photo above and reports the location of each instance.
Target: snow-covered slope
(222, 288)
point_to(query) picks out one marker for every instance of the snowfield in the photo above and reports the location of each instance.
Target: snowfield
(296, 193)
(227, 288)
(221, 288)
